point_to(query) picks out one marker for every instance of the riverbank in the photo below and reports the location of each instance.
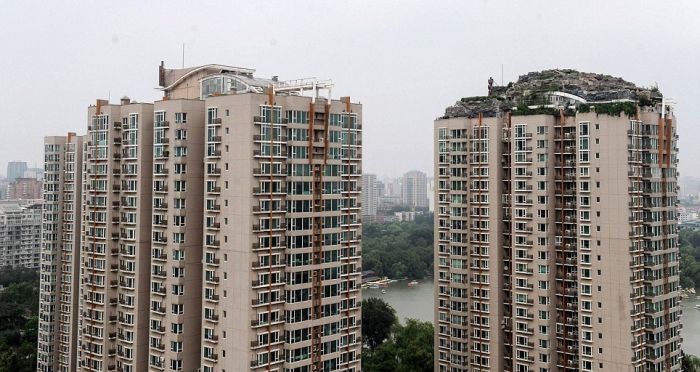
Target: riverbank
(417, 302)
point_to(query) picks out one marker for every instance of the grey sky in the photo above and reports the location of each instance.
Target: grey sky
(405, 61)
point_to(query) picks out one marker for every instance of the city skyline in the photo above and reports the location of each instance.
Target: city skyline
(411, 56)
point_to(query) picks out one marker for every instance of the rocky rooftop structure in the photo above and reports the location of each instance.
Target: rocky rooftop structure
(559, 87)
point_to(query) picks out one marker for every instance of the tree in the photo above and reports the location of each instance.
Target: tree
(399, 249)
(19, 306)
(414, 345)
(408, 349)
(690, 363)
(377, 319)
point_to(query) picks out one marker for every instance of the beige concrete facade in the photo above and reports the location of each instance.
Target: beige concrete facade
(283, 229)
(176, 254)
(221, 230)
(60, 253)
(556, 243)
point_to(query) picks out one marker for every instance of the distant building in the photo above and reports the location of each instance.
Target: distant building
(3, 189)
(36, 173)
(20, 233)
(16, 169)
(388, 202)
(431, 194)
(414, 190)
(392, 187)
(686, 214)
(404, 216)
(370, 195)
(381, 189)
(24, 188)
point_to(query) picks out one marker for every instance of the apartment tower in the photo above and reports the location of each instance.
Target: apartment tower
(370, 195)
(556, 228)
(414, 189)
(60, 253)
(20, 233)
(221, 229)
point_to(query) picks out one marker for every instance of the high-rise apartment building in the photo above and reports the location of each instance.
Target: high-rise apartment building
(16, 169)
(20, 234)
(556, 228)
(414, 189)
(24, 188)
(370, 195)
(221, 229)
(61, 235)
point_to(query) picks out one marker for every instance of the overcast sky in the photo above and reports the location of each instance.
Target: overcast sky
(405, 61)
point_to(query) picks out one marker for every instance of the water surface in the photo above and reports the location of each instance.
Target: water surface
(417, 303)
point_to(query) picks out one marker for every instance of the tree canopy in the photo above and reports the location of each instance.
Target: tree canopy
(392, 347)
(399, 249)
(408, 349)
(377, 320)
(19, 306)
(690, 363)
(690, 258)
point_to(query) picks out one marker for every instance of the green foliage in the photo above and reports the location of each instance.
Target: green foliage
(524, 110)
(644, 100)
(399, 249)
(18, 275)
(690, 363)
(690, 258)
(615, 108)
(409, 349)
(377, 320)
(19, 307)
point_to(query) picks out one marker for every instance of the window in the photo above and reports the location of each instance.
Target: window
(180, 168)
(178, 289)
(178, 309)
(584, 171)
(585, 230)
(176, 328)
(178, 238)
(176, 346)
(180, 117)
(179, 221)
(179, 203)
(175, 364)
(180, 186)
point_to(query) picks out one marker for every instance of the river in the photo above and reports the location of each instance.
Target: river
(417, 303)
